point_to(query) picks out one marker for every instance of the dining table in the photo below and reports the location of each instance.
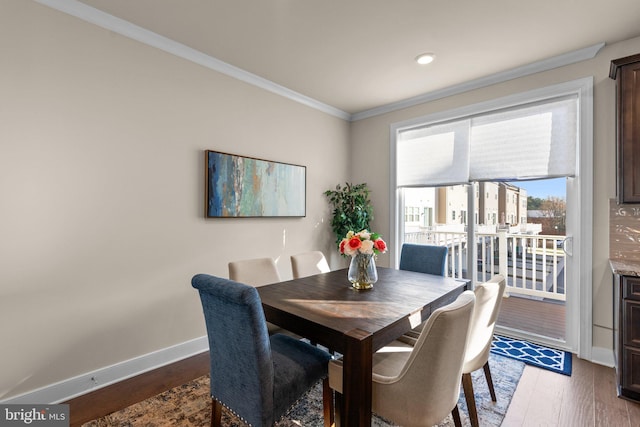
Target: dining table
(327, 310)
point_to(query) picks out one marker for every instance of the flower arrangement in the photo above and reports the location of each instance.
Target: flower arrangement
(362, 242)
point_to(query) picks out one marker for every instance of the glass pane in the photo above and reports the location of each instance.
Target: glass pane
(529, 223)
(440, 219)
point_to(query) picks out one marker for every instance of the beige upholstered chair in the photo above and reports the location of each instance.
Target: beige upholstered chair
(420, 385)
(257, 272)
(488, 301)
(254, 272)
(308, 264)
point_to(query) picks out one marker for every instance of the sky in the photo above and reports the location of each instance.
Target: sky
(544, 188)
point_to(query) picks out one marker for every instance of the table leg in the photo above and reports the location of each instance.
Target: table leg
(356, 379)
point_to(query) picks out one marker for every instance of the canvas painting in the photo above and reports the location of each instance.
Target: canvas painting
(239, 186)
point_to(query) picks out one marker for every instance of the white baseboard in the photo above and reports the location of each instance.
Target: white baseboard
(91, 381)
(602, 356)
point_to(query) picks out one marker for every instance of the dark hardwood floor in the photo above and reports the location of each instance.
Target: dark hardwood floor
(586, 398)
(109, 399)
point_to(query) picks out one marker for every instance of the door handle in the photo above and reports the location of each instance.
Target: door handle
(567, 248)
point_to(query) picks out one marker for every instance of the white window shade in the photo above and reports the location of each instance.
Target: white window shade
(433, 155)
(531, 142)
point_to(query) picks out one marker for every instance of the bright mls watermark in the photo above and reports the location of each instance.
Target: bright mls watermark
(34, 415)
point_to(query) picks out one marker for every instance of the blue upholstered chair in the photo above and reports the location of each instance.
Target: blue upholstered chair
(428, 259)
(424, 258)
(256, 376)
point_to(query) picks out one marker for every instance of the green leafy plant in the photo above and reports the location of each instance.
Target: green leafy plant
(352, 210)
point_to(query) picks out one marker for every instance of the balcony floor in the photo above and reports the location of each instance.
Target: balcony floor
(544, 318)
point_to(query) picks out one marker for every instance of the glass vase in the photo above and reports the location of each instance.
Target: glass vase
(362, 271)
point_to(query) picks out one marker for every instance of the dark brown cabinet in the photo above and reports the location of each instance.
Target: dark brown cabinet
(627, 336)
(626, 72)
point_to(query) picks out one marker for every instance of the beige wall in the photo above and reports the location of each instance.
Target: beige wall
(370, 139)
(101, 192)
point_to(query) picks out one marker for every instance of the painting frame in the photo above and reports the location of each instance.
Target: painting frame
(238, 186)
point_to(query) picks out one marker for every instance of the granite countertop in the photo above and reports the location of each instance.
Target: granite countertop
(625, 267)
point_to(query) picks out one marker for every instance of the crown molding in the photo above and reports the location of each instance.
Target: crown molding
(135, 32)
(525, 70)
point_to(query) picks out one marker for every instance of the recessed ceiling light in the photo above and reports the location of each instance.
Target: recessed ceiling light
(425, 58)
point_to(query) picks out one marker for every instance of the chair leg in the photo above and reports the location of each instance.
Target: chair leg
(455, 413)
(216, 413)
(327, 403)
(487, 375)
(467, 385)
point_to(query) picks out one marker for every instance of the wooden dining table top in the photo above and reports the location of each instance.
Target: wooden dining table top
(397, 302)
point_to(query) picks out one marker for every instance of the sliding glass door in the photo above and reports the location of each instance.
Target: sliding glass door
(469, 179)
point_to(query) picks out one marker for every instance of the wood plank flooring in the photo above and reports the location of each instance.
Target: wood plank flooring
(538, 317)
(542, 398)
(133, 390)
(586, 398)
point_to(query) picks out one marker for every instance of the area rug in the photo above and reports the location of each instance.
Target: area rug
(189, 404)
(533, 354)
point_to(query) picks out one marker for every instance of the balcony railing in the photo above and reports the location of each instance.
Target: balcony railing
(534, 265)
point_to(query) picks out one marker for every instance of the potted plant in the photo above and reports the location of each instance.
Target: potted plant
(352, 210)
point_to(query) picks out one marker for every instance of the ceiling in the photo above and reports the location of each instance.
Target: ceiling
(358, 55)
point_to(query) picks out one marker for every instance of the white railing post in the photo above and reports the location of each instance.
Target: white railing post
(503, 262)
(520, 281)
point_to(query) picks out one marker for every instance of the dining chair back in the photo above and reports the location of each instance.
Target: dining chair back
(428, 259)
(254, 272)
(256, 376)
(257, 272)
(488, 301)
(308, 264)
(421, 386)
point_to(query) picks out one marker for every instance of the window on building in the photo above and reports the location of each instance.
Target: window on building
(412, 214)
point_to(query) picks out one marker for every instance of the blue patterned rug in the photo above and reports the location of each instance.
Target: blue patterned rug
(533, 354)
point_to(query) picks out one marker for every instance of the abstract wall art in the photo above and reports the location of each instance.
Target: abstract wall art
(244, 187)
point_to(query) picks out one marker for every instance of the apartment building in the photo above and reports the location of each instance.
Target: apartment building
(497, 203)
